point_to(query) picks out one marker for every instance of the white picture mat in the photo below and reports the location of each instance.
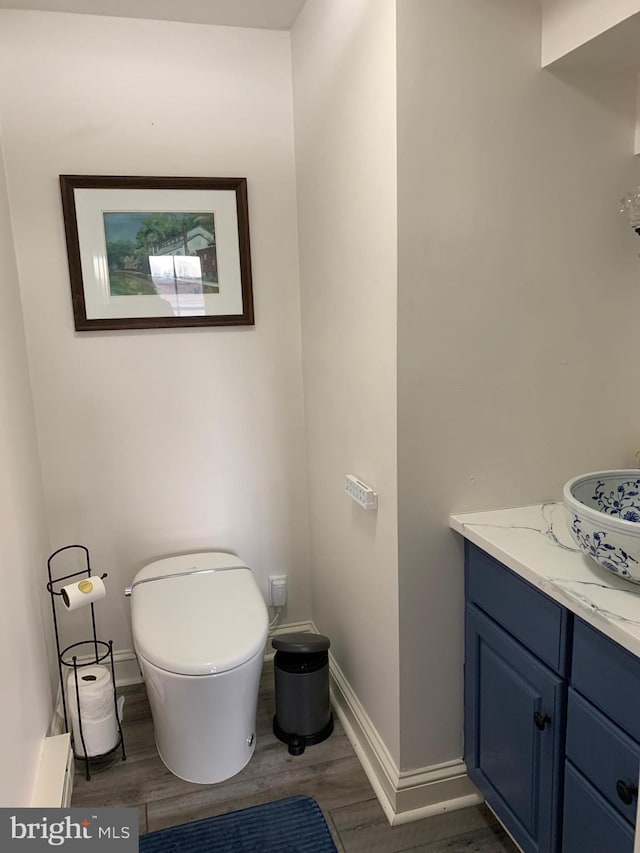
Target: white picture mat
(91, 204)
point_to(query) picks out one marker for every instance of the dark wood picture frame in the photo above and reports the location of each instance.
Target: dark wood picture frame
(221, 297)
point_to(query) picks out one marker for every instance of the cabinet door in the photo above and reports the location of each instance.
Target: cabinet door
(514, 724)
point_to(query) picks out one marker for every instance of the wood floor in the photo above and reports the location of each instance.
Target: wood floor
(329, 772)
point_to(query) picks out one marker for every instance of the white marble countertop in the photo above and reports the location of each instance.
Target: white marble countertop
(535, 543)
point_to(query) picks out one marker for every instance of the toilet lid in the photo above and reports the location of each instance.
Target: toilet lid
(198, 621)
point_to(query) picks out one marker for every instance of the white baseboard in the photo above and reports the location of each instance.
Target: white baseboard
(404, 795)
(127, 668)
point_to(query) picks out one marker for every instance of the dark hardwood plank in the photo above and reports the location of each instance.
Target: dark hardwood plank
(363, 827)
(493, 839)
(330, 784)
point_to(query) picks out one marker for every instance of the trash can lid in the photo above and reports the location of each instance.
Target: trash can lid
(301, 642)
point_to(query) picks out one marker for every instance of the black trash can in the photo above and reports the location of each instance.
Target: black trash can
(301, 669)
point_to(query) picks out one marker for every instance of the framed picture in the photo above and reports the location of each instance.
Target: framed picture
(150, 253)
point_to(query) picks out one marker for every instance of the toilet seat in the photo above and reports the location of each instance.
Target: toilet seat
(198, 614)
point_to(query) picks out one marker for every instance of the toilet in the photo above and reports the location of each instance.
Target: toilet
(199, 629)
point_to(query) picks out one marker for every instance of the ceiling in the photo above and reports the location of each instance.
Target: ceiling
(264, 14)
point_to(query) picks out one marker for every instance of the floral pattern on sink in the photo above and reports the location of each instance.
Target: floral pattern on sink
(613, 558)
(623, 502)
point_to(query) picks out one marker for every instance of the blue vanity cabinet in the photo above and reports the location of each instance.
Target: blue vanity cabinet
(552, 717)
(515, 700)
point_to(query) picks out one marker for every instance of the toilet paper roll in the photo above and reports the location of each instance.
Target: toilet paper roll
(83, 592)
(97, 712)
(100, 736)
(95, 693)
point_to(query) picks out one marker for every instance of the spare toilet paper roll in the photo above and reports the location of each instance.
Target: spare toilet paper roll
(83, 592)
(94, 695)
(100, 736)
(97, 712)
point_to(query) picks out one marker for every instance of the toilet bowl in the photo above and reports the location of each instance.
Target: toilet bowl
(199, 629)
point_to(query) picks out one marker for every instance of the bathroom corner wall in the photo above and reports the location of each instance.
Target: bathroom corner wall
(344, 105)
(160, 441)
(568, 24)
(27, 651)
(519, 290)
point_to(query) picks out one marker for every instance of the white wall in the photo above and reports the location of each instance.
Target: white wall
(344, 96)
(26, 649)
(567, 24)
(519, 292)
(157, 442)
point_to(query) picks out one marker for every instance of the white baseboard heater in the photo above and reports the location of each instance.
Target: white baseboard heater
(54, 782)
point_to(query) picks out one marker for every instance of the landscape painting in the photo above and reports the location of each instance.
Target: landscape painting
(162, 254)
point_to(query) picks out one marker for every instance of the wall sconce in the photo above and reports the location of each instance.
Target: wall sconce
(630, 205)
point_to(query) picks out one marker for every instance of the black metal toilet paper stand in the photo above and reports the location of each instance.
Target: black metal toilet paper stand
(91, 652)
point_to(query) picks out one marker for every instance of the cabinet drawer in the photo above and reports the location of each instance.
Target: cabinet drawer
(590, 825)
(602, 753)
(528, 615)
(607, 675)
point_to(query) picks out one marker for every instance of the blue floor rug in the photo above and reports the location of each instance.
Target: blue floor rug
(294, 825)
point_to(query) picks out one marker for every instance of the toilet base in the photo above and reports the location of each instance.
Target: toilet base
(298, 743)
(204, 725)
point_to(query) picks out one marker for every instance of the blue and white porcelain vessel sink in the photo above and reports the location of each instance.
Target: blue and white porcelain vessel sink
(603, 511)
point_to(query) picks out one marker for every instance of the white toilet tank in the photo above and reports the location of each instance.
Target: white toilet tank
(199, 628)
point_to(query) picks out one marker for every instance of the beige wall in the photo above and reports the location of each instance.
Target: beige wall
(344, 97)
(27, 657)
(567, 24)
(158, 442)
(519, 293)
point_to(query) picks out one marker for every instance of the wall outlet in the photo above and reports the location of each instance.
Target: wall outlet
(360, 492)
(277, 590)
